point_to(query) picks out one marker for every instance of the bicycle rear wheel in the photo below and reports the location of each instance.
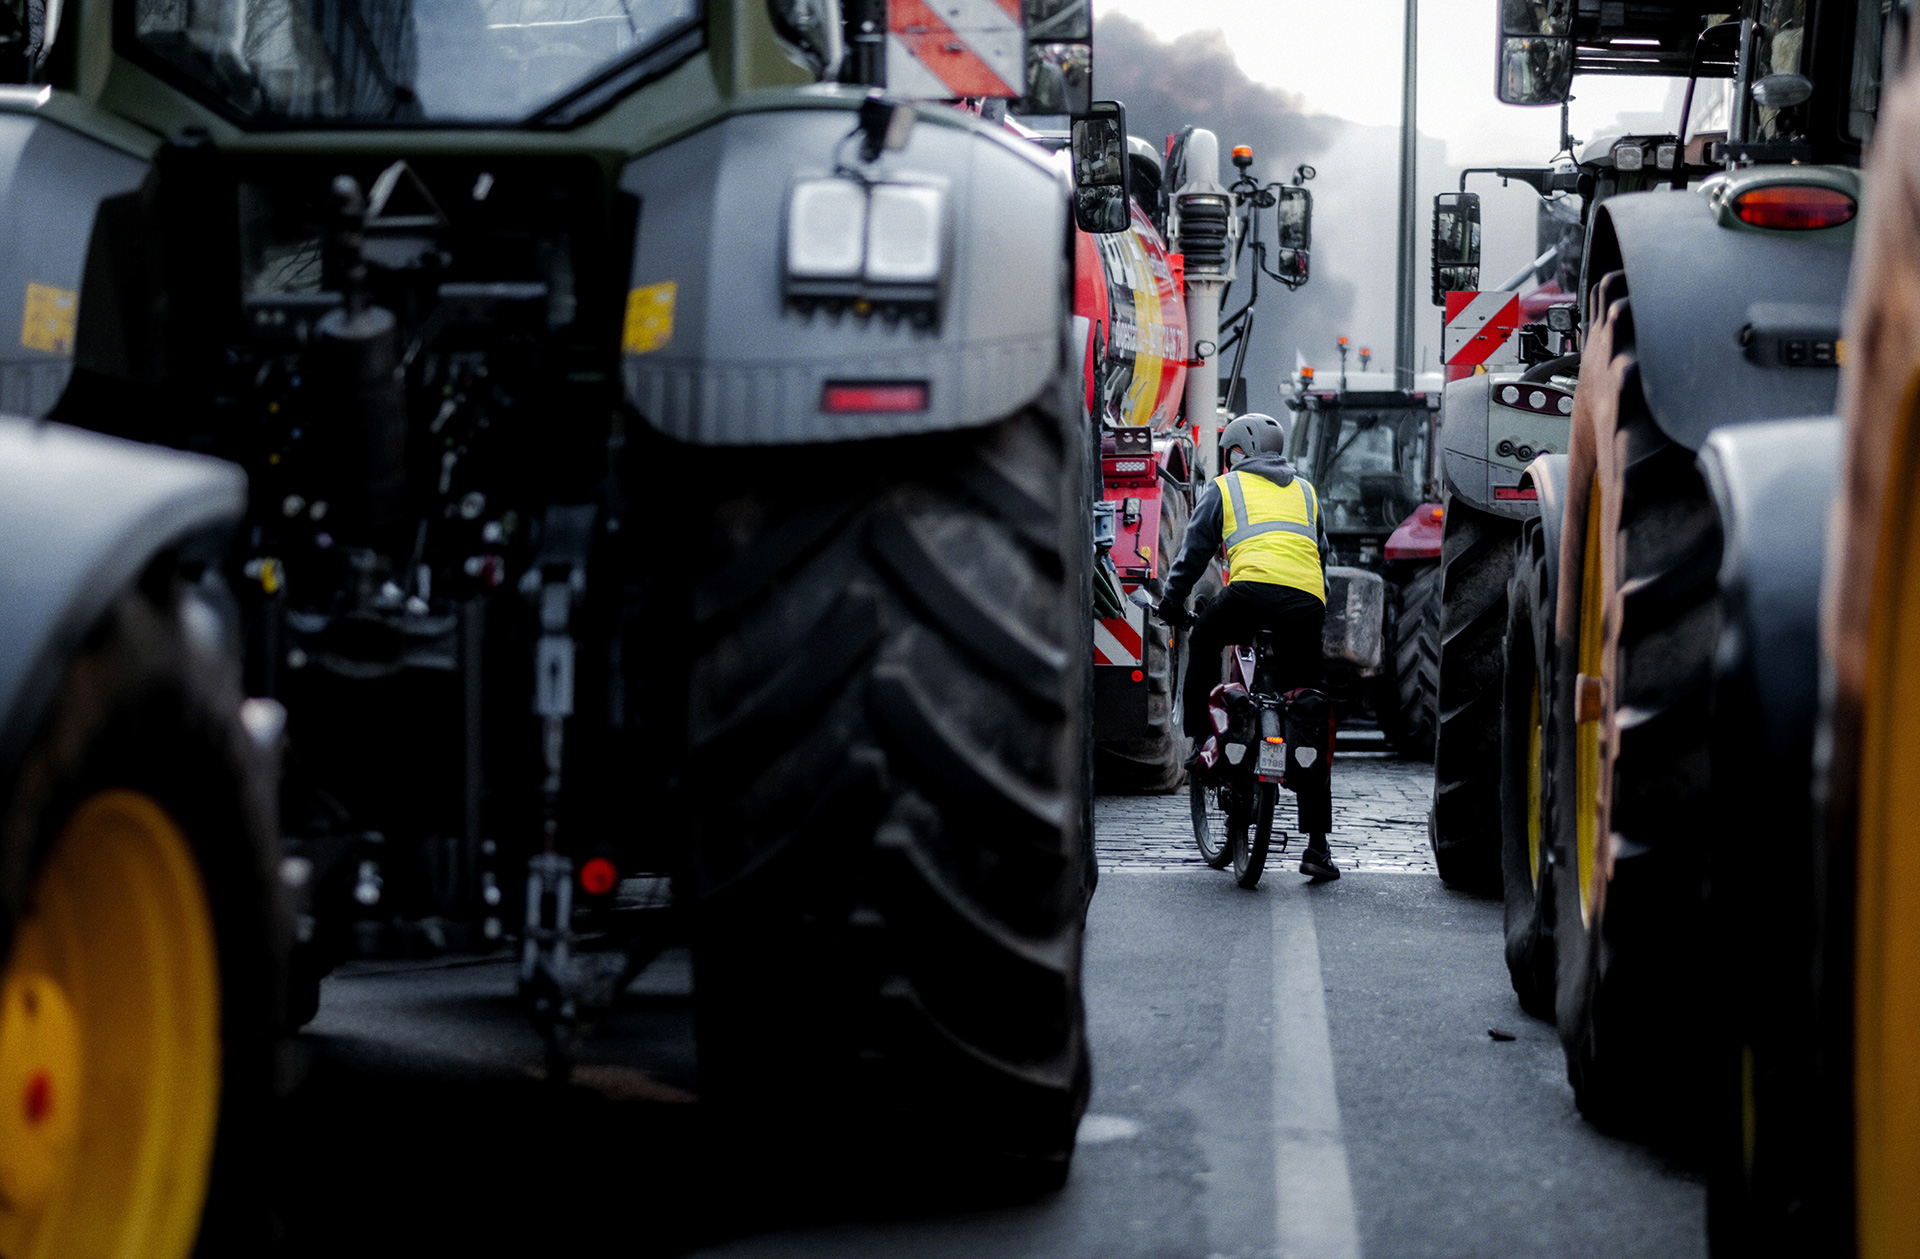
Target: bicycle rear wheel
(1250, 850)
(1210, 824)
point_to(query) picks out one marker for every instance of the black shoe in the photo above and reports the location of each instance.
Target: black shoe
(1318, 863)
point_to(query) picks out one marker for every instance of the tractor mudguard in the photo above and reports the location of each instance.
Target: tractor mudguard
(81, 516)
(1717, 310)
(718, 352)
(1477, 422)
(52, 180)
(1547, 477)
(1773, 485)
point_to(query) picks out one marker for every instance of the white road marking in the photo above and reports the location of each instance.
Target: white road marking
(1313, 1191)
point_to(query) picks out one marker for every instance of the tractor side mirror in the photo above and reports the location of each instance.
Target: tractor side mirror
(1295, 215)
(1059, 58)
(1536, 52)
(1456, 244)
(1100, 169)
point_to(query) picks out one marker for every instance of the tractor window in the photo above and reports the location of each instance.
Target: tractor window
(1869, 40)
(1368, 466)
(398, 61)
(27, 29)
(1780, 43)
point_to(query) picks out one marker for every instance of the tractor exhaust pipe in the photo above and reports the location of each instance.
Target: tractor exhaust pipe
(1202, 229)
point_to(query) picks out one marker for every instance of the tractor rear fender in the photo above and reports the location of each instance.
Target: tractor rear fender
(1546, 476)
(1773, 485)
(52, 180)
(1718, 310)
(81, 517)
(720, 350)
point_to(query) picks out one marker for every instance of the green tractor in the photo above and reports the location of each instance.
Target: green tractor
(1664, 849)
(666, 514)
(1495, 422)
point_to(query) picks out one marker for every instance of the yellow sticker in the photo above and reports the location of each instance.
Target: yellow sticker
(649, 317)
(47, 322)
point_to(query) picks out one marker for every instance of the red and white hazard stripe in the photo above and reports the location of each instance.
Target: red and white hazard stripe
(1480, 327)
(965, 48)
(1118, 639)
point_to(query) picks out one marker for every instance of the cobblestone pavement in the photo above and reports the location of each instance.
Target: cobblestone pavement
(1379, 822)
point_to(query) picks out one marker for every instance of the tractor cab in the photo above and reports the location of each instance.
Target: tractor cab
(1366, 451)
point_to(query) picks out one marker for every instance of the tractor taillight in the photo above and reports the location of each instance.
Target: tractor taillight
(599, 876)
(1508, 493)
(1794, 207)
(874, 397)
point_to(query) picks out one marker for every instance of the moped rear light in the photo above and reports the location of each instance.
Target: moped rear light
(1794, 207)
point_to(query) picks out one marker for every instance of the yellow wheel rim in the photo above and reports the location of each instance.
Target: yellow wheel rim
(109, 1044)
(1534, 791)
(1887, 904)
(1587, 736)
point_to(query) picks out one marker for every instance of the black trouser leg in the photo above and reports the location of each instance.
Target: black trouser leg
(1242, 609)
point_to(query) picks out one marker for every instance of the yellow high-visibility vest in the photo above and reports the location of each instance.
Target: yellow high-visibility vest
(1269, 532)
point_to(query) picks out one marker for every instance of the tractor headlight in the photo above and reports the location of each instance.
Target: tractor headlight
(826, 230)
(903, 234)
(870, 245)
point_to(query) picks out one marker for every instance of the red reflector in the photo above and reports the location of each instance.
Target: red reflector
(1139, 676)
(1794, 207)
(1529, 494)
(599, 876)
(874, 397)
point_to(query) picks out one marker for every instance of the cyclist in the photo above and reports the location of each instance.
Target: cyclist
(1268, 519)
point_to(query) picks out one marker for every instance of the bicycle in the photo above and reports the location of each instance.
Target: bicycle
(1262, 740)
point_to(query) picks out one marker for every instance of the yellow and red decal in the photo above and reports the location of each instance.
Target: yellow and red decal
(1128, 289)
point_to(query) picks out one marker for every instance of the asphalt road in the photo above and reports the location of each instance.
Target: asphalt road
(1294, 1071)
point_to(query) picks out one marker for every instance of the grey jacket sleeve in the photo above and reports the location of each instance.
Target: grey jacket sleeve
(1320, 528)
(1202, 542)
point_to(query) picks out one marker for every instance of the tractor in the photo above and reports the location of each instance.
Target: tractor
(1368, 451)
(1496, 420)
(1680, 861)
(665, 518)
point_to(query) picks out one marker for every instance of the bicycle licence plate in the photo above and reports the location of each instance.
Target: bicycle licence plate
(1273, 759)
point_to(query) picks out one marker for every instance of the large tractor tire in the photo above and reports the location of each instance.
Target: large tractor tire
(1634, 642)
(1526, 796)
(1476, 562)
(144, 945)
(1155, 760)
(887, 790)
(1772, 485)
(1869, 960)
(1406, 691)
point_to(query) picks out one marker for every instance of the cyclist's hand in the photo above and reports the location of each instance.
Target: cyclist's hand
(1176, 614)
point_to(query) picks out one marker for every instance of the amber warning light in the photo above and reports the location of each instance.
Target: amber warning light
(1242, 155)
(874, 397)
(1794, 207)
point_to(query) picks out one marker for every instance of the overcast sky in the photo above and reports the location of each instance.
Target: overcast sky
(1319, 82)
(1344, 59)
